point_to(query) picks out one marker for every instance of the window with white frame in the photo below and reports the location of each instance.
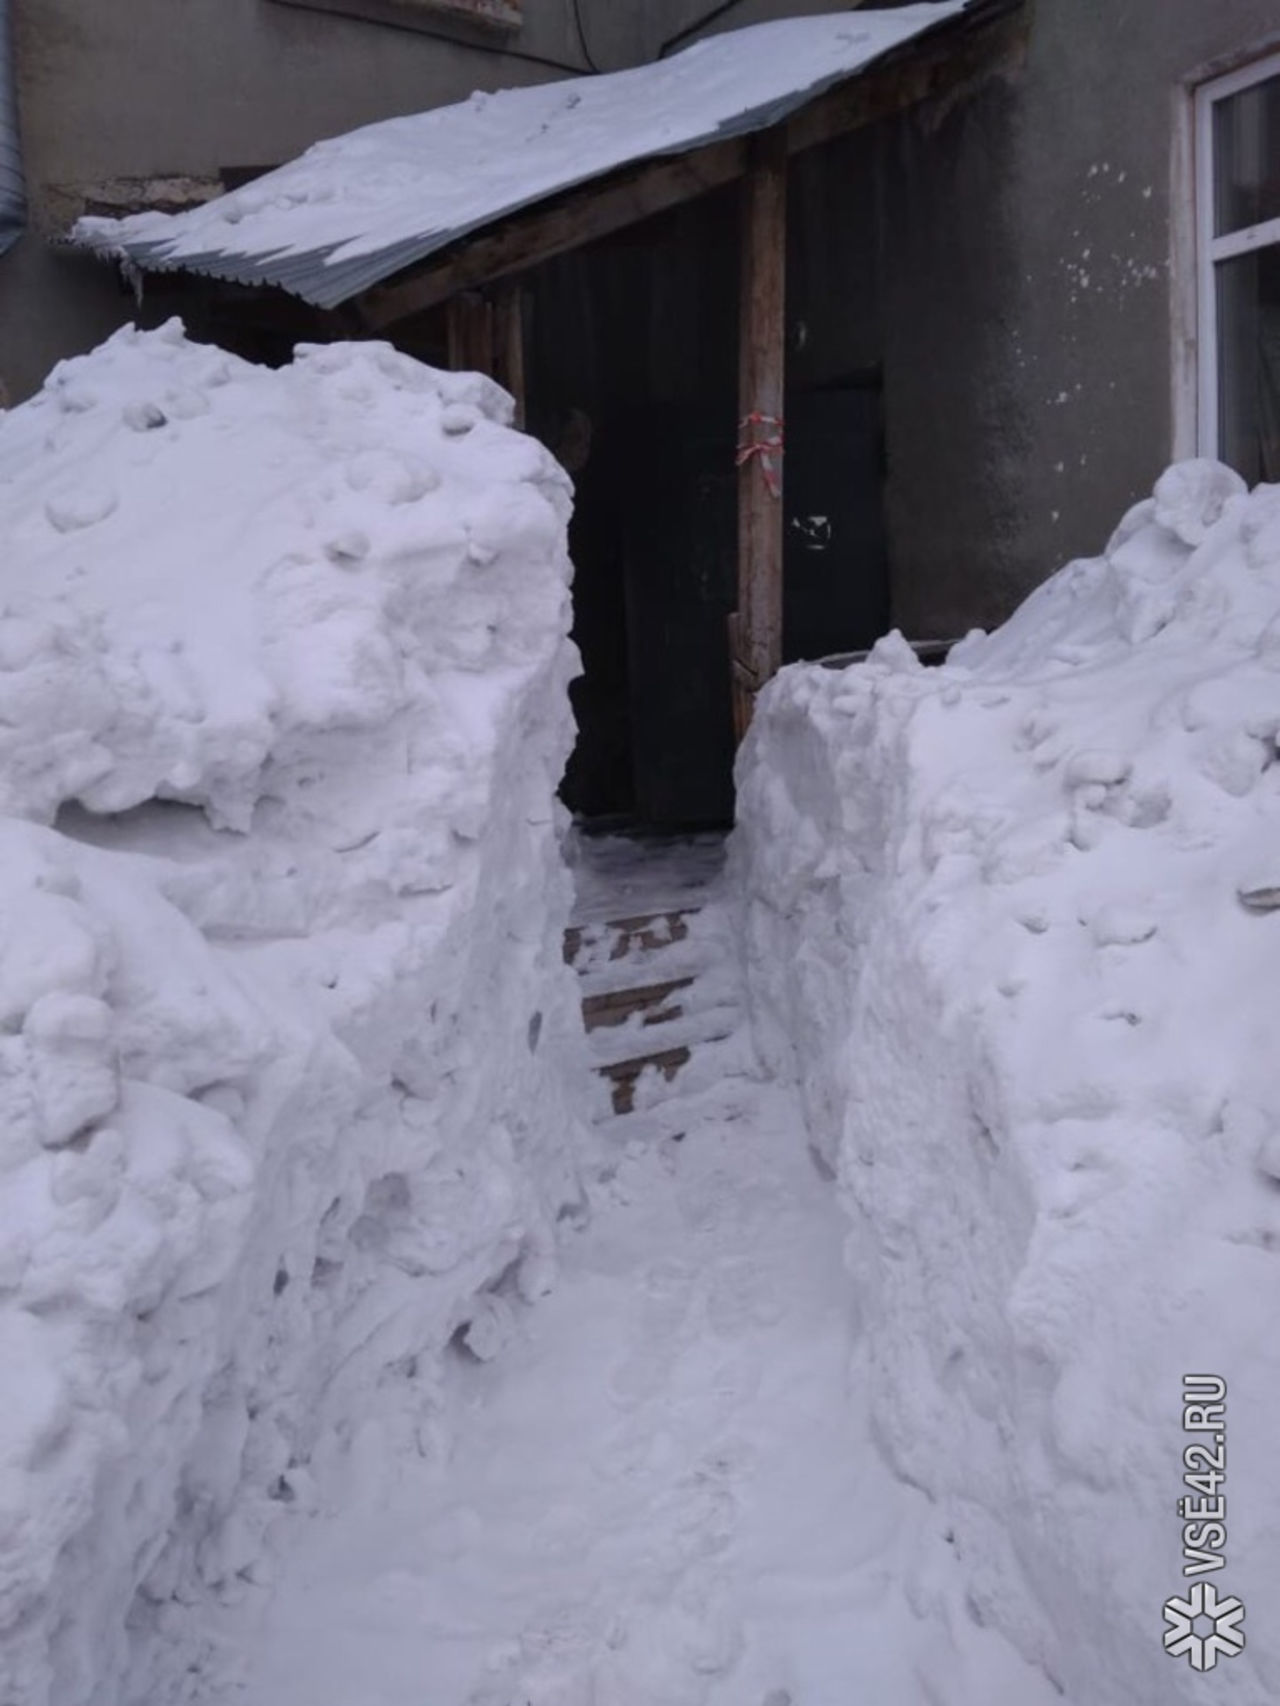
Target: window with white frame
(1238, 218)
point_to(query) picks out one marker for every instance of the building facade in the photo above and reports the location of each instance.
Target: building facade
(1053, 292)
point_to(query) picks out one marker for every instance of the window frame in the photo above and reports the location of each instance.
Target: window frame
(1212, 249)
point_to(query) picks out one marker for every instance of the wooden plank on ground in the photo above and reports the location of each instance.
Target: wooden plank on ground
(616, 1006)
(625, 1074)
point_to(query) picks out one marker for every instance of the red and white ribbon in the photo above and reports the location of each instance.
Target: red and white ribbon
(761, 435)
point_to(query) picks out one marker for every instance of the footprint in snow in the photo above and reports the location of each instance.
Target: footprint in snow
(668, 1288)
(706, 1518)
(69, 512)
(639, 1377)
(634, 1450)
(743, 1296)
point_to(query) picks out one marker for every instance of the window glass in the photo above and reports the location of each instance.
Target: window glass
(1249, 364)
(1246, 152)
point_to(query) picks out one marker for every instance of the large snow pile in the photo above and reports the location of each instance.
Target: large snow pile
(1015, 923)
(283, 706)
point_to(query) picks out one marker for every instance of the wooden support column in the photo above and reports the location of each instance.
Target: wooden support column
(508, 312)
(470, 325)
(486, 335)
(755, 629)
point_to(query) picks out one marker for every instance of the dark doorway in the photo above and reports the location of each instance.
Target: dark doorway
(835, 590)
(633, 373)
(656, 547)
(633, 382)
(655, 550)
(680, 570)
(600, 779)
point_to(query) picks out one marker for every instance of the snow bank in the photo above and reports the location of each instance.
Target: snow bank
(283, 671)
(1015, 924)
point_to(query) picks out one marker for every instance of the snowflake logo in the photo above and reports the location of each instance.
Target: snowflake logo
(1224, 1639)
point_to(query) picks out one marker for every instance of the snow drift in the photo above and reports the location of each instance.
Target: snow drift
(283, 670)
(1015, 924)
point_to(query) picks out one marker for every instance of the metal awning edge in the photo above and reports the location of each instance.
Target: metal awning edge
(315, 277)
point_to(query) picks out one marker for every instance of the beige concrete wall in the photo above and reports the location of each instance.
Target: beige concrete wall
(1029, 293)
(189, 86)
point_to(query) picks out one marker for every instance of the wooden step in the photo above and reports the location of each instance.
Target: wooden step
(648, 932)
(619, 1005)
(643, 933)
(625, 1074)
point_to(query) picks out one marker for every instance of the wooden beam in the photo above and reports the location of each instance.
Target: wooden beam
(583, 215)
(755, 634)
(928, 70)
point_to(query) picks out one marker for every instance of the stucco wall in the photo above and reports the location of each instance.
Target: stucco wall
(1027, 289)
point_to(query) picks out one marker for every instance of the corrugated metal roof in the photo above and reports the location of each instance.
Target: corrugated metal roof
(13, 195)
(362, 207)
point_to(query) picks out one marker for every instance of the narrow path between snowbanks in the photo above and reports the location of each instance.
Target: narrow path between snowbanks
(660, 1488)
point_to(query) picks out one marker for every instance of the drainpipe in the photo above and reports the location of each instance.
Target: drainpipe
(13, 195)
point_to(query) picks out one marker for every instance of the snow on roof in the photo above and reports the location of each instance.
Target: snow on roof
(359, 208)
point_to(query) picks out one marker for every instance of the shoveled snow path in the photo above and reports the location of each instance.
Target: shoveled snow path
(662, 1491)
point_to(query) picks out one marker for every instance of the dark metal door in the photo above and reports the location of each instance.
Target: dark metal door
(680, 569)
(835, 571)
(681, 576)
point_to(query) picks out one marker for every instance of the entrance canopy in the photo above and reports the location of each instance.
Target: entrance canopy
(360, 208)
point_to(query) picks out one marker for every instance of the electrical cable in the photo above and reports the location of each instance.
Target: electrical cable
(582, 35)
(499, 50)
(692, 29)
(472, 45)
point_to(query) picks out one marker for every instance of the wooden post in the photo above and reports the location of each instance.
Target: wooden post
(486, 335)
(755, 629)
(509, 345)
(470, 325)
